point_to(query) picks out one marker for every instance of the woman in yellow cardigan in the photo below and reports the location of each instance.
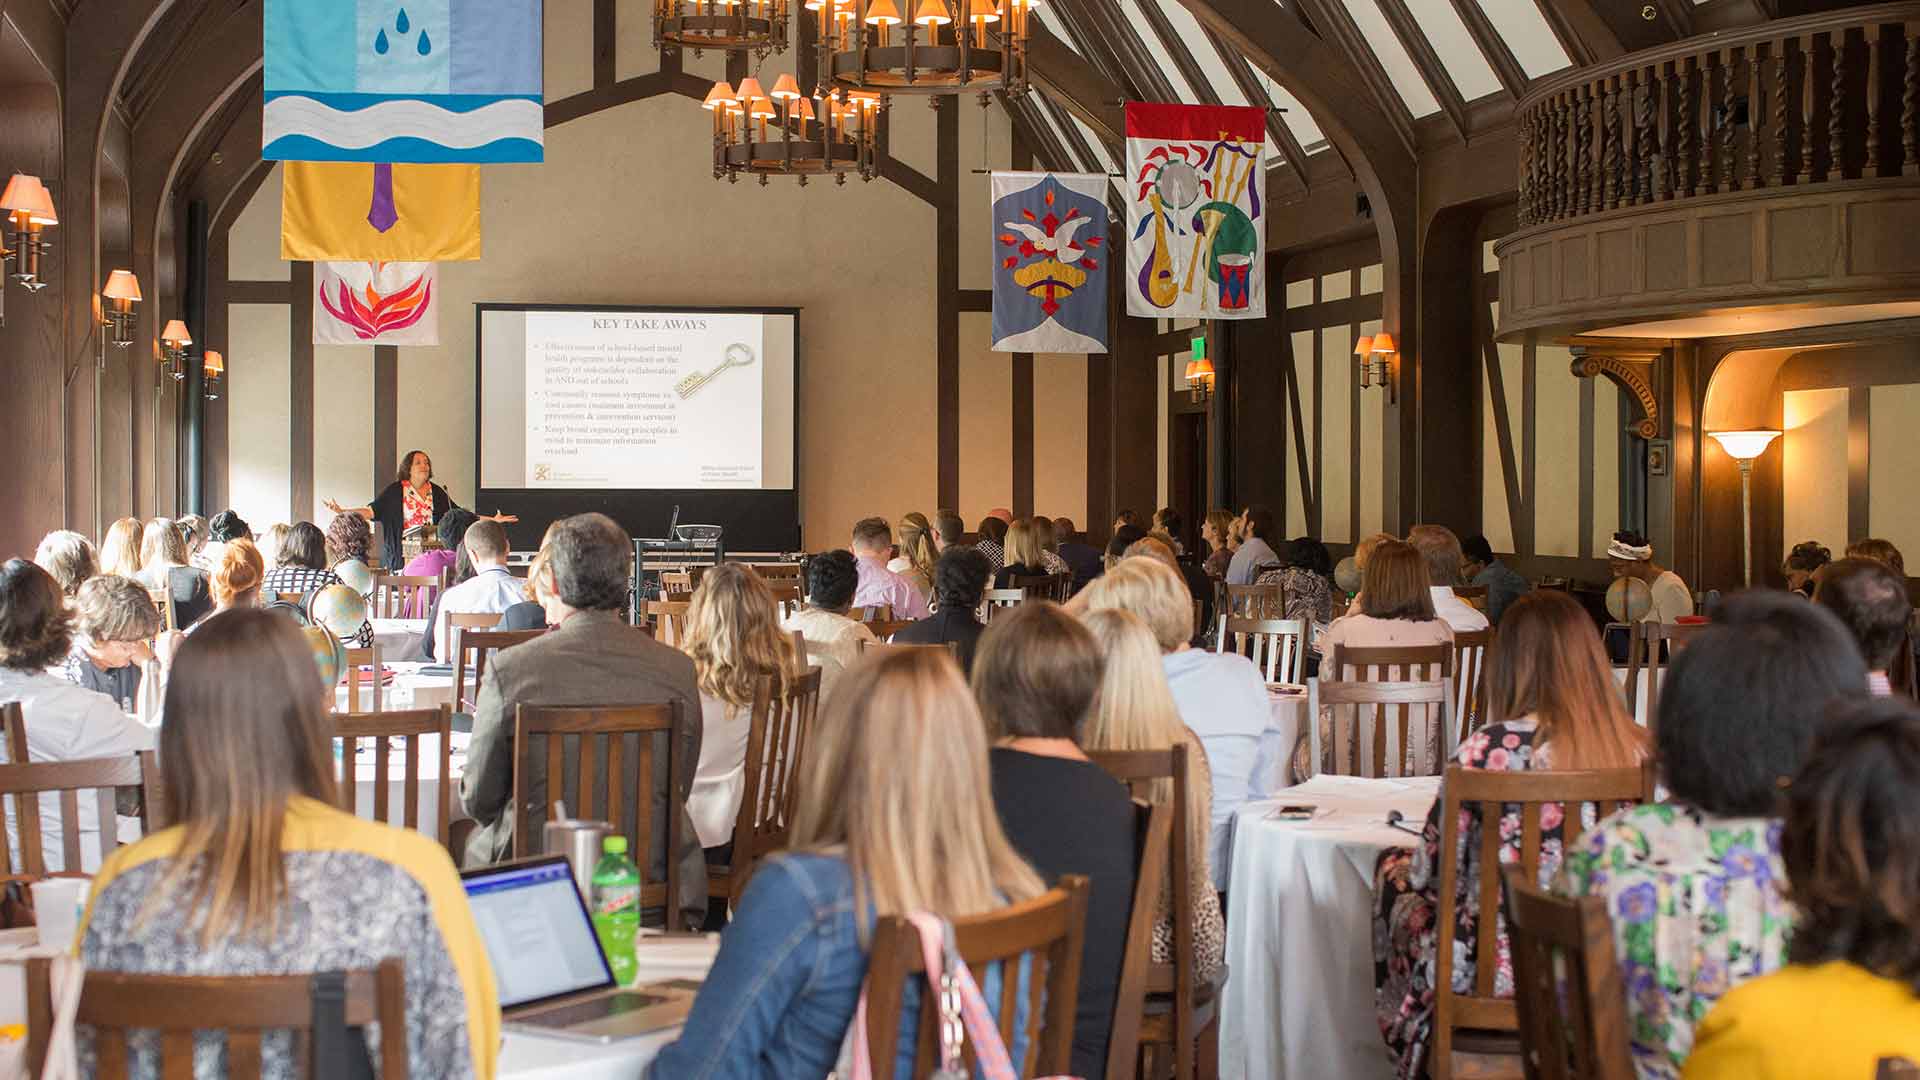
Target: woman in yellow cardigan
(1848, 1006)
(261, 875)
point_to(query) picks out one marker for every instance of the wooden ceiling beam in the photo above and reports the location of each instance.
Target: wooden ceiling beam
(1183, 61)
(1585, 36)
(1294, 157)
(1098, 28)
(1337, 29)
(1073, 83)
(1432, 71)
(1034, 131)
(1513, 77)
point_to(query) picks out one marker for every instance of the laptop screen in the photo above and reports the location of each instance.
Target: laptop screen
(537, 931)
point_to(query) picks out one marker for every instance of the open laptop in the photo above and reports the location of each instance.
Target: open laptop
(552, 977)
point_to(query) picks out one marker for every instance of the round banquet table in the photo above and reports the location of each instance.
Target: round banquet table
(399, 639)
(1299, 1004)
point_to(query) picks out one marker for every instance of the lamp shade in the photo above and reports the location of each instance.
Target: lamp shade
(1744, 445)
(1201, 368)
(26, 193)
(719, 97)
(882, 13)
(1364, 346)
(750, 90)
(215, 363)
(176, 334)
(803, 110)
(983, 11)
(785, 88)
(932, 13)
(1383, 342)
(122, 285)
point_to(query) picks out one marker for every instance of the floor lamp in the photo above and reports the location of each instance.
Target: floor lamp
(1743, 447)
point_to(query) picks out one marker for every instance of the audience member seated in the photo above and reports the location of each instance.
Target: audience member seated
(734, 637)
(917, 553)
(193, 533)
(1363, 551)
(1158, 545)
(894, 816)
(491, 589)
(948, 531)
(348, 538)
(592, 657)
(1167, 520)
(1630, 555)
(271, 541)
(303, 569)
(236, 581)
(1552, 704)
(1216, 531)
(1220, 696)
(1254, 552)
(833, 639)
(1873, 605)
(1880, 551)
(163, 565)
(993, 534)
(526, 613)
(449, 534)
(259, 874)
(1050, 559)
(1137, 713)
(64, 722)
(1441, 549)
(959, 584)
(69, 557)
(1305, 577)
(225, 528)
(1127, 519)
(1022, 555)
(120, 548)
(1692, 882)
(1121, 542)
(1502, 583)
(874, 584)
(1849, 1003)
(1037, 682)
(114, 621)
(1081, 558)
(1803, 566)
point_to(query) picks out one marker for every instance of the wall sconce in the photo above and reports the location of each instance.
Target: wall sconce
(1375, 355)
(1743, 447)
(173, 349)
(122, 291)
(216, 366)
(29, 209)
(1200, 372)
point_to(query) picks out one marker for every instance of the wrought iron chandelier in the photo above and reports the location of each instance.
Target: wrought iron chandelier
(756, 26)
(949, 47)
(787, 133)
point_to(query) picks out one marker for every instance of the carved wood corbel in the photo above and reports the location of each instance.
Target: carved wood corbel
(1632, 371)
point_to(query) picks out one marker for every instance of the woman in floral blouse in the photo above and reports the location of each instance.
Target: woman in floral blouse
(1693, 883)
(1554, 706)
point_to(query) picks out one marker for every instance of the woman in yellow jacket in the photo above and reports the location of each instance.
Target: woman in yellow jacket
(1849, 1004)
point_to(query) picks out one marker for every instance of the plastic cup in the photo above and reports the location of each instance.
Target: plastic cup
(57, 905)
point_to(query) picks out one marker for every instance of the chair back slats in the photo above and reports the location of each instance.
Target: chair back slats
(402, 596)
(1470, 675)
(1474, 595)
(1650, 648)
(1054, 587)
(668, 618)
(998, 600)
(1567, 985)
(1488, 794)
(473, 620)
(786, 596)
(1393, 663)
(409, 726)
(13, 731)
(163, 602)
(1278, 647)
(363, 666)
(872, 613)
(597, 781)
(777, 733)
(776, 572)
(1255, 601)
(1381, 729)
(1048, 931)
(241, 1008)
(65, 780)
(1155, 830)
(471, 650)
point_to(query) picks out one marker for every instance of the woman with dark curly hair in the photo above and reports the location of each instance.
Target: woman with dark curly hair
(348, 537)
(833, 639)
(1848, 1004)
(65, 722)
(1804, 562)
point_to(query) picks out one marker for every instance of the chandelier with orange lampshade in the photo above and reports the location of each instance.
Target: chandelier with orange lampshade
(948, 47)
(756, 26)
(784, 132)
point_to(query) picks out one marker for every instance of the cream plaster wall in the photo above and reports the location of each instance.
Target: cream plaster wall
(1815, 459)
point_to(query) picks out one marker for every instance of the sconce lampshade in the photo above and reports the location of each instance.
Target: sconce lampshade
(1201, 368)
(1744, 445)
(215, 363)
(1364, 346)
(27, 193)
(176, 334)
(1383, 343)
(122, 285)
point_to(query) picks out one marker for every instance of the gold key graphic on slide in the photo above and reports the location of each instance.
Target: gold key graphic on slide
(738, 355)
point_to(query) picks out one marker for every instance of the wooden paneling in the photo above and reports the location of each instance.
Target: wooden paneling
(30, 335)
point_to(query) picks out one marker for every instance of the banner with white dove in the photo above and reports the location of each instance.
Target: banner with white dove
(1050, 263)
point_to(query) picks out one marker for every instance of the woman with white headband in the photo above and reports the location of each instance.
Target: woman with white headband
(1630, 555)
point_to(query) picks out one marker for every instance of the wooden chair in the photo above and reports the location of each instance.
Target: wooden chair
(1278, 647)
(998, 600)
(776, 741)
(1374, 727)
(409, 725)
(1054, 587)
(1403, 663)
(13, 731)
(472, 620)
(799, 649)
(1161, 1005)
(1048, 930)
(163, 603)
(882, 648)
(1462, 1020)
(669, 620)
(243, 1008)
(357, 659)
(1474, 595)
(1255, 601)
(27, 781)
(396, 595)
(777, 572)
(1566, 985)
(872, 613)
(1645, 651)
(1470, 678)
(297, 599)
(786, 596)
(471, 648)
(676, 581)
(882, 629)
(596, 780)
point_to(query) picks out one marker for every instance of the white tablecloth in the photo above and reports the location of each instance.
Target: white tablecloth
(536, 1057)
(399, 639)
(408, 690)
(1640, 703)
(430, 780)
(1299, 1001)
(1286, 711)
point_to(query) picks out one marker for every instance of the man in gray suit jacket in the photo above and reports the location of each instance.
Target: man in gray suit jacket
(591, 657)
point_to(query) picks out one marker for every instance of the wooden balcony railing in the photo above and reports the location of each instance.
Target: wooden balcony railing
(1815, 100)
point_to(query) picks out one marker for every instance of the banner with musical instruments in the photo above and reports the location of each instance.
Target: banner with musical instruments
(1195, 220)
(1050, 262)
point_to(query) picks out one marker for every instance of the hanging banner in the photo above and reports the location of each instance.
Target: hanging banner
(343, 212)
(1194, 217)
(417, 81)
(359, 303)
(1050, 263)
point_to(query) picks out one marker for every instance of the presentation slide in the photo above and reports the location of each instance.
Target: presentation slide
(636, 400)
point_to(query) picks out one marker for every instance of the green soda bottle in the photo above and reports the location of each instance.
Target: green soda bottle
(616, 907)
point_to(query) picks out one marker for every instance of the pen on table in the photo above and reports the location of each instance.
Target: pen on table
(1397, 820)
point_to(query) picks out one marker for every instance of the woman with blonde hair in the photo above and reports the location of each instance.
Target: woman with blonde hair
(894, 815)
(69, 557)
(1023, 554)
(120, 548)
(163, 565)
(733, 634)
(917, 555)
(271, 541)
(1222, 536)
(262, 875)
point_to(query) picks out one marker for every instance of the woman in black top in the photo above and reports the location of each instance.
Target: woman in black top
(959, 581)
(412, 499)
(1037, 676)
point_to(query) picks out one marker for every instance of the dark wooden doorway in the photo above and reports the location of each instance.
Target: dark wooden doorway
(1187, 475)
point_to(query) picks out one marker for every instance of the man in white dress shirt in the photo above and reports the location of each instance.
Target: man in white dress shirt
(1441, 549)
(491, 589)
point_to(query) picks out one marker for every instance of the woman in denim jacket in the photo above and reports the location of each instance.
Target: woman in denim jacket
(895, 815)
